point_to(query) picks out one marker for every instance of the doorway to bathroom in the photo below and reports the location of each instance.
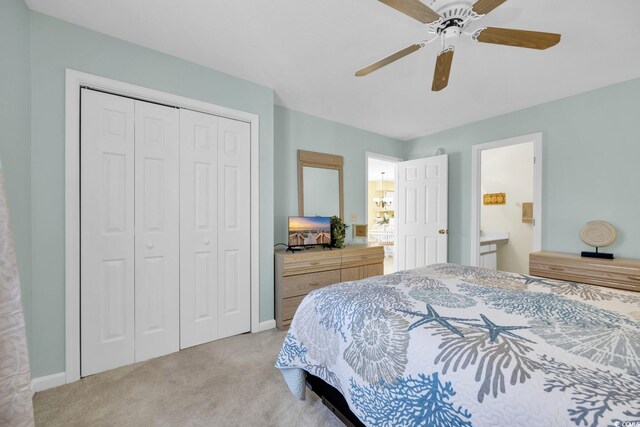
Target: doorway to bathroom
(506, 203)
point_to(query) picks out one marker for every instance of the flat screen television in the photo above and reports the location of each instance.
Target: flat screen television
(309, 230)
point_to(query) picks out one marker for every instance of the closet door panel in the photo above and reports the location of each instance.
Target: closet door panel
(157, 274)
(198, 228)
(107, 238)
(234, 190)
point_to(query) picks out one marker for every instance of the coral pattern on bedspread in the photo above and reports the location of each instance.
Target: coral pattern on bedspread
(449, 345)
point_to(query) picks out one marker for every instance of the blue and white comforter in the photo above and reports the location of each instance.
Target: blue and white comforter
(448, 345)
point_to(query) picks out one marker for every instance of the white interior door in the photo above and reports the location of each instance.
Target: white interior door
(215, 235)
(157, 238)
(198, 228)
(422, 212)
(107, 238)
(234, 213)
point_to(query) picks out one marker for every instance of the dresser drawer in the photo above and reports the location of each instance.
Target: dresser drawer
(302, 284)
(285, 324)
(373, 270)
(621, 274)
(368, 256)
(289, 307)
(303, 264)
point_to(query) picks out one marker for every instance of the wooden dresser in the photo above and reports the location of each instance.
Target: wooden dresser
(612, 273)
(297, 274)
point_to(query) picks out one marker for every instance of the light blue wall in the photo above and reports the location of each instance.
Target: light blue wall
(591, 153)
(57, 45)
(295, 130)
(15, 133)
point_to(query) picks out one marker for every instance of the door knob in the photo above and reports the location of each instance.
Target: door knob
(150, 245)
(442, 231)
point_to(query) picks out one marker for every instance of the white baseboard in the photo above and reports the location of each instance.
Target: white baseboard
(265, 326)
(48, 381)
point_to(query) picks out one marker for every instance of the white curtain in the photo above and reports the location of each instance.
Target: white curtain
(15, 379)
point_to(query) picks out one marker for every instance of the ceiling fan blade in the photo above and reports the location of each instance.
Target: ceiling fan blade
(482, 7)
(388, 60)
(415, 9)
(443, 69)
(517, 38)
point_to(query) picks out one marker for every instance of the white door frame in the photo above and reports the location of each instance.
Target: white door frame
(371, 155)
(75, 80)
(476, 165)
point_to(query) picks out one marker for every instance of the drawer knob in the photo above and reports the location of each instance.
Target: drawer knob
(556, 268)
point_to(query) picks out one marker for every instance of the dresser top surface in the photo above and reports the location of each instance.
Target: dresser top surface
(574, 258)
(321, 252)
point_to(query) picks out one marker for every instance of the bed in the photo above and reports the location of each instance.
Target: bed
(449, 345)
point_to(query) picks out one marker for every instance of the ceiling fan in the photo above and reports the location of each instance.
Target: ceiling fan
(448, 22)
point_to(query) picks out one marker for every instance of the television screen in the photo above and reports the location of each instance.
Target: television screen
(309, 230)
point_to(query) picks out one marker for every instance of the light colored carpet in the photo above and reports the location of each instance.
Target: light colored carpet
(231, 382)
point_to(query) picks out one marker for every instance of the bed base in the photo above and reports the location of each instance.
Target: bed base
(332, 399)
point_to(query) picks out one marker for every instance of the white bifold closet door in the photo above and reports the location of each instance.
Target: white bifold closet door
(129, 231)
(107, 232)
(157, 230)
(215, 228)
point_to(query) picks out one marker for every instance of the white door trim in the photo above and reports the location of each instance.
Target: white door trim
(476, 158)
(76, 79)
(371, 155)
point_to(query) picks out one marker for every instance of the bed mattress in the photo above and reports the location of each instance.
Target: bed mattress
(449, 345)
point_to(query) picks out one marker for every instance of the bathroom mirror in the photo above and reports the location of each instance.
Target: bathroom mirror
(320, 190)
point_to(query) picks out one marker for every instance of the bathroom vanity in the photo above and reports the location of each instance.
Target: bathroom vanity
(489, 243)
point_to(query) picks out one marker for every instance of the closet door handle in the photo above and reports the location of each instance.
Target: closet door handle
(149, 245)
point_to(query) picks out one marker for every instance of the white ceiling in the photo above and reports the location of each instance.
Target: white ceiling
(308, 51)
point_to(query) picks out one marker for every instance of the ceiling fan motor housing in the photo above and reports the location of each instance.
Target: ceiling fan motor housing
(454, 13)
